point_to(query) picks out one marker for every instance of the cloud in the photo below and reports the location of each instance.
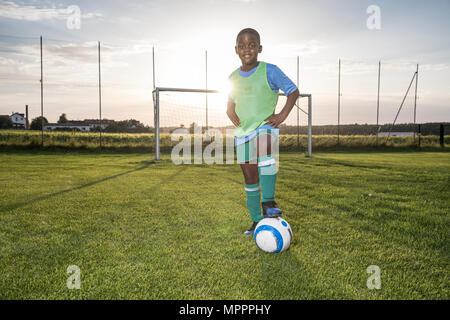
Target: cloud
(84, 52)
(355, 67)
(291, 49)
(11, 10)
(64, 61)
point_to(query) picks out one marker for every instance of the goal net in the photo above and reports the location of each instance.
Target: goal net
(200, 110)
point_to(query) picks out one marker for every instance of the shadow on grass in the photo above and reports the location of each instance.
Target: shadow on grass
(81, 149)
(25, 203)
(168, 179)
(284, 276)
(37, 149)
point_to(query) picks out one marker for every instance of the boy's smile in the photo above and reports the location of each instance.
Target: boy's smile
(247, 48)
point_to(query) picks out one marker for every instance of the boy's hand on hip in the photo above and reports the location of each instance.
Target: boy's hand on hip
(276, 119)
(233, 116)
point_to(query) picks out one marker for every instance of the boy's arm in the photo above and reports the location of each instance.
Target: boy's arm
(232, 113)
(277, 118)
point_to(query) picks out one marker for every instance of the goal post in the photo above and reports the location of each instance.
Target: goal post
(200, 110)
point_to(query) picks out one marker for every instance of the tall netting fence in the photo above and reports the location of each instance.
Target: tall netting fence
(100, 93)
(92, 93)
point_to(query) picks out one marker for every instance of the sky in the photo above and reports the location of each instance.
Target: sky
(400, 34)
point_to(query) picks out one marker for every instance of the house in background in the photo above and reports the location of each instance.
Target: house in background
(396, 134)
(83, 126)
(18, 120)
(70, 125)
(96, 123)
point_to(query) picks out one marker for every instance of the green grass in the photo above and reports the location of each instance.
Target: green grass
(140, 229)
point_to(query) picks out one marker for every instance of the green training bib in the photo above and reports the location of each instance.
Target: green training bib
(255, 100)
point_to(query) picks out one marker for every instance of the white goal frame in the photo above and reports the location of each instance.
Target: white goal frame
(157, 90)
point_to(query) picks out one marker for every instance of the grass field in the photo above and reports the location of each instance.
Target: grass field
(146, 141)
(140, 229)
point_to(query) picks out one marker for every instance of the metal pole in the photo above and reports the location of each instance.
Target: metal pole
(378, 97)
(400, 108)
(415, 98)
(310, 126)
(157, 154)
(153, 68)
(420, 133)
(415, 93)
(42, 97)
(100, 94)
(26, 116)
(339, 101)
(298, 111)
(155, 106)
(206, 84)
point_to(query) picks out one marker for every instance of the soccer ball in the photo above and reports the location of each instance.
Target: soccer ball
(273, 235)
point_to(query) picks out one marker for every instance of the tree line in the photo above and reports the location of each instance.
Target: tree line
(135, 126)
(430, 128)
(123, 126)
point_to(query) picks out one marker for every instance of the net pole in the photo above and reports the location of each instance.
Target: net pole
(378, 97)
(100, 94)
(153, 66)
(415, 99)
(157, 154)
(400, 108)
(155, 95)
(310, 126)
(42, 96)
(339, 101)
(298, 111)
(206, 85)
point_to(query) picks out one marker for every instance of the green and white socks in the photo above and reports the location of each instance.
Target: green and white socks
(267, 177)
(253, 204)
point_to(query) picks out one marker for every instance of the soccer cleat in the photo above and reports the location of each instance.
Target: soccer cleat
(250, 231)
(271, 210)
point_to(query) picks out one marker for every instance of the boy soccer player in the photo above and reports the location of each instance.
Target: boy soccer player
(251, 108)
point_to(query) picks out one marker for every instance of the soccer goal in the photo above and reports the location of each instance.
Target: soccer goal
(191, 109)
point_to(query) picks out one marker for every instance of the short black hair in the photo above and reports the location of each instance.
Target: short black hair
(250, 31)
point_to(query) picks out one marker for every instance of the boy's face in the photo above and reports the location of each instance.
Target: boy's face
(247, 48)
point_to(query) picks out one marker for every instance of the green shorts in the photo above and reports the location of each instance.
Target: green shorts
(247, 147)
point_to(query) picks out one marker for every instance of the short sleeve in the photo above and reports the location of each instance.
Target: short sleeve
(279, 81)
